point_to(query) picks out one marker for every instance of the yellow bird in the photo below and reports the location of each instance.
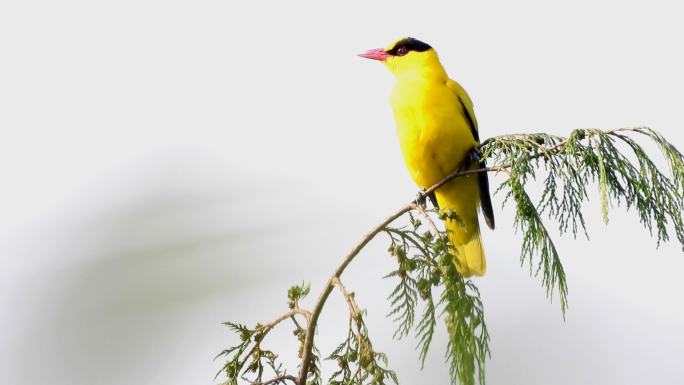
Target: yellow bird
(437, 131)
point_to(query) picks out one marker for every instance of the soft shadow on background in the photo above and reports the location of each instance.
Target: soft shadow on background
(167, 166)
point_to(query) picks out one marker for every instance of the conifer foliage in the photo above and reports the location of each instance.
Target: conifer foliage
(429, 290)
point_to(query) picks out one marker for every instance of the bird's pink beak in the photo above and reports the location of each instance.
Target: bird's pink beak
(375, 54)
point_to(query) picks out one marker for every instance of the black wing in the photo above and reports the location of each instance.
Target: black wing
(482, 178)
(471, 121)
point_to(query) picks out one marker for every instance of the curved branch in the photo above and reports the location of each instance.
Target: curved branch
(291, 313)
(313, 319)
(278, 379)
(311, 327)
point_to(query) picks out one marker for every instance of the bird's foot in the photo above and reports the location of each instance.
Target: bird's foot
(474, 156)
(421, 199)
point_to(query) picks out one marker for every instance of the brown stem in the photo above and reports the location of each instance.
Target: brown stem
(354, 317)
(290, 314)
(279, 379)
(267, 328)
(311, 327)
(353, 307)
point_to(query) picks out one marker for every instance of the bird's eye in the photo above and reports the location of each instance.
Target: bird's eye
(402, 51)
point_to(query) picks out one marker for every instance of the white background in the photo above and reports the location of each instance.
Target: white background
(170, 165)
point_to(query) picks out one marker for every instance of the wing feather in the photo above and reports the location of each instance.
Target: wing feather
(483, 179)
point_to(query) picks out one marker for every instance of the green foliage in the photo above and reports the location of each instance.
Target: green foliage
(570, 165)
(468, 346)
(657, 199)
(247, 358)
(429, 286)
(536, 239)
(426, 263)
(249, 362)
(357, 361)
(295, 293)
(417, 274)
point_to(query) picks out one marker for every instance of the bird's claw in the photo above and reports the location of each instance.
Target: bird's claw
(474, 155)
(421, 199)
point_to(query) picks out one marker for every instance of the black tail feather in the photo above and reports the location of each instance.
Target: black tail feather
(485, 198)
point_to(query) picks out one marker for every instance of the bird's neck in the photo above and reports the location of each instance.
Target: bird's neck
(429, 72)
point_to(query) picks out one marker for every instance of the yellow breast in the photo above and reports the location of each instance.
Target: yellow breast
(433, 132)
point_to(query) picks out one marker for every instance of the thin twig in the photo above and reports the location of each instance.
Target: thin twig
(265, 328)
(460, 172)
(426, 216)
(354, 317)
(282, 378)
(297, 325)
(353, 307)
(289, 314)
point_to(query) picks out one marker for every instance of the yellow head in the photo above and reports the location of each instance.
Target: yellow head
(408, 57)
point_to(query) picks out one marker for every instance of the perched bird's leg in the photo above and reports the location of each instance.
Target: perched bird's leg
(474, 156)
(421, 199)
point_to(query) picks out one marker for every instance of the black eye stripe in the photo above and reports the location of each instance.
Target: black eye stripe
(410, 44)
